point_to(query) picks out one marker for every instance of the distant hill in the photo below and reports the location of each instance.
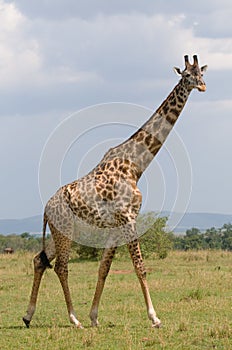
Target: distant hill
(18, 226)
(202, 221)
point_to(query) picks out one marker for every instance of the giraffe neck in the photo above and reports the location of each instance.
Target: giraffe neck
(144, 144)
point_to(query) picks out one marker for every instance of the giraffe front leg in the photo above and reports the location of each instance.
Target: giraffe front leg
(104, 268)
(137, 260)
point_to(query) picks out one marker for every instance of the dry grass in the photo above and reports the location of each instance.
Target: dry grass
(191, 292)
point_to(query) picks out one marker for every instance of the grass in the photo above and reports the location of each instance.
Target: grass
(191, 292)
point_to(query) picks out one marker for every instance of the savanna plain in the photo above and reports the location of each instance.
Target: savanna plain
(191, 291)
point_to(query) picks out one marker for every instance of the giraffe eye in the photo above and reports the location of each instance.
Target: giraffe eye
(187, 75)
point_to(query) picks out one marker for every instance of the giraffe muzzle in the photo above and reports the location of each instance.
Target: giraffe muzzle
(201, 88)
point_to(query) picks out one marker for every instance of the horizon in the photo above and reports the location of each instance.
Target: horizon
(141, 212)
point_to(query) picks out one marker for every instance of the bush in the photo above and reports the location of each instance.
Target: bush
(87, 253)
(23, 242)
(155, 240)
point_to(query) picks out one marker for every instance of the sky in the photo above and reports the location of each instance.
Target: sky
(77, 77)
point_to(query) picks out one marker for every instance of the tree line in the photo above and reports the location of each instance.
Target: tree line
(156, 240)
(212, 238)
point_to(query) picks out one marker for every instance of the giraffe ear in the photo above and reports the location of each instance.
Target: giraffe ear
(204, 68)
(177, 70)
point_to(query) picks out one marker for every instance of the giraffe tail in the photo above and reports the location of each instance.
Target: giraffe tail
(45, 220)
(43, 255)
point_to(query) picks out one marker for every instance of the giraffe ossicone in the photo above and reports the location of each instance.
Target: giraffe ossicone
(101, 208)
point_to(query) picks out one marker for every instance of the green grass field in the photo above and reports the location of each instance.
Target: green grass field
(191, 291)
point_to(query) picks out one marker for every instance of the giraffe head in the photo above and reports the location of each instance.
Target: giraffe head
(192, 74)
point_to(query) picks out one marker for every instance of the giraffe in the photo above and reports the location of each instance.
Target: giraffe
(108, 200)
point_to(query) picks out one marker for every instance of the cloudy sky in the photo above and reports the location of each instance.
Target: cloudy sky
(60, 58)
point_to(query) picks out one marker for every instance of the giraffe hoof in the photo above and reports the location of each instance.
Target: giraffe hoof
(27, 322)
(94, 324)
(75, 321)
(156, 323)
(79, 326)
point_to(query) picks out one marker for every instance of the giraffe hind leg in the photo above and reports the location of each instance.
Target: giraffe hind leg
(39, 269)
(41, 261)
(63, 245)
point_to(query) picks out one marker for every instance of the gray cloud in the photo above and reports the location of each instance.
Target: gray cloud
(57, 9)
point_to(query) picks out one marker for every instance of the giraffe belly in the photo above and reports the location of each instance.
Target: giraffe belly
(100, 211)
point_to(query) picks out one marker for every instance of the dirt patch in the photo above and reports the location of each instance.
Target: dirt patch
(121, 272)
(125, 272)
